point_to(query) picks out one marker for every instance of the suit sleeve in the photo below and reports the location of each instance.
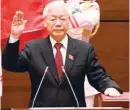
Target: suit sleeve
(97, 75)
(13, 60)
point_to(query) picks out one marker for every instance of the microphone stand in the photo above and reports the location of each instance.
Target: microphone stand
(71, 87)
(46, 69)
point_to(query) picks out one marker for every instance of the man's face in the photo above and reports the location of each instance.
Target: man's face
(57, 21)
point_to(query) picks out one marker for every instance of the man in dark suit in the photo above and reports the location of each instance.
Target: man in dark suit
(54, 52)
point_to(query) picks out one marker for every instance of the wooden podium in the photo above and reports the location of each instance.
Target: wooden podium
(72, 108)
(121, 101)
(104, 103)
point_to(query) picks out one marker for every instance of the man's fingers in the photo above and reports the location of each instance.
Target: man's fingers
(18, 18)
(15, 20)
(20, 15)
(114, 93)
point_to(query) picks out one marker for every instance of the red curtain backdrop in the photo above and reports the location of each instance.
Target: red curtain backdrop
(32, 10)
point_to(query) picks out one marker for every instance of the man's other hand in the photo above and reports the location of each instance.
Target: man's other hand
(112, 92)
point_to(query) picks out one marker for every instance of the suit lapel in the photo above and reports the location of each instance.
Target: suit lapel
(47, 53)
(70, 57)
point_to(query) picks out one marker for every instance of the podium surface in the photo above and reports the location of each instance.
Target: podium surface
(121, 101)
(71, 108)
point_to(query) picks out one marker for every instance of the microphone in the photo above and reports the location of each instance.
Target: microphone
(63, 69)
(46, 69)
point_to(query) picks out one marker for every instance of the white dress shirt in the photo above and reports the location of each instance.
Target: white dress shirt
(12, 39)
(63, 49)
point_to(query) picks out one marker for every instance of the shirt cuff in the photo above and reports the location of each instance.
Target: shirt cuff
(12, 39)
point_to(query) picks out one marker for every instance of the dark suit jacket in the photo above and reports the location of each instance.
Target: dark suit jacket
(38, 54)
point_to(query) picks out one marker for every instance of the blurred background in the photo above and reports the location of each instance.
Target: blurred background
(111, 44)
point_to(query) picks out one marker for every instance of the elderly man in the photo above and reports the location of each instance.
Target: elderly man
(57, 65)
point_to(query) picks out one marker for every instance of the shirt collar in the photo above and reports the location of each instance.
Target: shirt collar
(64, 42)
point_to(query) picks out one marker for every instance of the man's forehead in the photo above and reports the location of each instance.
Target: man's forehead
(78, 0)
(65, 16)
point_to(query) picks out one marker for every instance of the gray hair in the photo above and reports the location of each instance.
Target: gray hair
(46, 9)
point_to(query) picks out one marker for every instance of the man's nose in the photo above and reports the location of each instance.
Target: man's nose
(58, 23)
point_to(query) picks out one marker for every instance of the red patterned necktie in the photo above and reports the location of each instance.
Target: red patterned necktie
(59, 59)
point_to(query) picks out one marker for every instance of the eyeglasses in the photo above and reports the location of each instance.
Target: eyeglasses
(61, 19)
